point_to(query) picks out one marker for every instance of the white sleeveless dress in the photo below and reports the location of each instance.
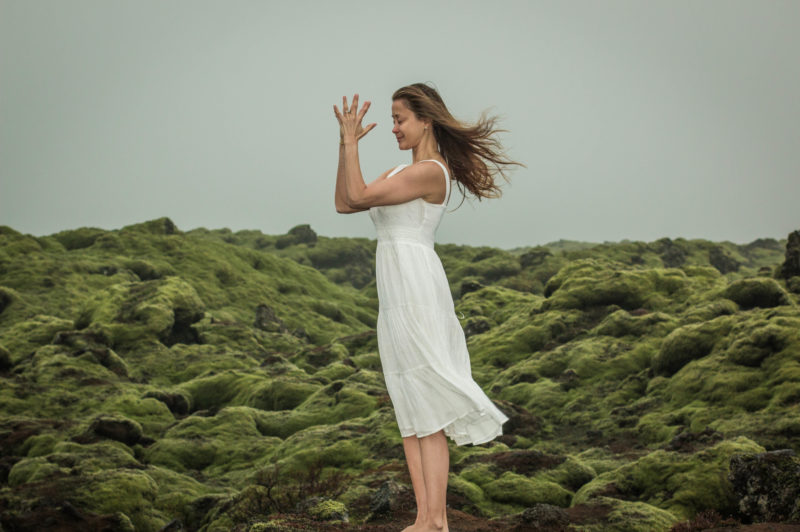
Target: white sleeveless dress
(421, 344)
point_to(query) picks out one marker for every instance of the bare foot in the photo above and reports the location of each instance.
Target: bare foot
(426, 527)
(421, 526)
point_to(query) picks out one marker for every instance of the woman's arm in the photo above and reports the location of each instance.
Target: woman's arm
(416, 181)
(339, 196)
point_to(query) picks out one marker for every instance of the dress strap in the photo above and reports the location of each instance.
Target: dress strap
(446, 180)
(396, 169)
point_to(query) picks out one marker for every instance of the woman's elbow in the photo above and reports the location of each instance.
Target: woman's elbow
(358, 203)
(344, 208)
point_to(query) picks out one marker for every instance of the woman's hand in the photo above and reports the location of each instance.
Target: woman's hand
(350, 121)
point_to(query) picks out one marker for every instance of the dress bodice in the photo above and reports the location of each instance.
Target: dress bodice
(414, 221)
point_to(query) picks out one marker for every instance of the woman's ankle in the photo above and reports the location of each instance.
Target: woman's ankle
(434, 523)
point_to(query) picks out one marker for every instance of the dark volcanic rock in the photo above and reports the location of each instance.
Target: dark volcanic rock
(470, 286)
(793, 284)
(672, 255)
(521, 422)
(722, 261)
(387, 499)
(791, 264)
(44, 515)
(5, 359)
(177, 403)
(767, 485)
(182, 330)
(267, 320)
(534, 257)
(688, 442)
(120, 429)
(299, 234)
(5, 299)
(545, 516)
(476, 326)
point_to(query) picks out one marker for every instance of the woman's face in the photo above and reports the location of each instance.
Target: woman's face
(408, 130)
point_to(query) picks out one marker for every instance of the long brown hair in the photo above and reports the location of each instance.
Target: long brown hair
(466, 148)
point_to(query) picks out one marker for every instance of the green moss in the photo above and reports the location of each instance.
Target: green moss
(752, 341)
(543, 395)
(226, 443)
(479, 474)
(688, 343)
(458, 484)
(633, 516)
(128, 491)
(327, 510)
(176, 493)
(160, 317)
(600, 460)
(283, 393)
(708, 311)
(74, 239)
(518, 489)
(623, 323)
(161, 308)
(32, 470)
(238, 388)
(72, 459)
(652, 428)
(589, 283)
(181, 455)
(678, 483)
(22, 338)
(39, 445)
(335, 371)
(153, 415)
(316, 447)
(757, 292)
(572, 473)
(367, 361)
(496, 303)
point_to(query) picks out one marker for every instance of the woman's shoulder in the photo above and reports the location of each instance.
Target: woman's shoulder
(396, 169)
(443, 164)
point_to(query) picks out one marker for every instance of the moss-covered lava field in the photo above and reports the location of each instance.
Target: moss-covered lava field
(158, 379)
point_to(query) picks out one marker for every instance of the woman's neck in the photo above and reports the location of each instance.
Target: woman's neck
(426, 149)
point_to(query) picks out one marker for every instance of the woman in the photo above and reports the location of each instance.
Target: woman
(421, 343)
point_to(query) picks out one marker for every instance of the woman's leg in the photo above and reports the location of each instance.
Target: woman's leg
(414, 458)
(435, 467)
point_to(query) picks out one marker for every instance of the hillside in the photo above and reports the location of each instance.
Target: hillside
(153, 379)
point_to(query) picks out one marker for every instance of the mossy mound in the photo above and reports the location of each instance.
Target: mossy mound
(590, 283)
(757, 292)
(680, 484)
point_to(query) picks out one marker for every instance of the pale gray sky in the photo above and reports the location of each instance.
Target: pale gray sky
(637, 119)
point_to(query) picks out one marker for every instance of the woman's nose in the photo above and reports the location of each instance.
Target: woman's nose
(395, 130)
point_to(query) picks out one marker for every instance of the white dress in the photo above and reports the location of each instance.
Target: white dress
(421, 344)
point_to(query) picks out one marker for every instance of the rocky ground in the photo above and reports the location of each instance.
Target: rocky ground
(155, 379)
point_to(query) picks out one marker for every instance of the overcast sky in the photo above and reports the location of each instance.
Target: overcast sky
(636, 119)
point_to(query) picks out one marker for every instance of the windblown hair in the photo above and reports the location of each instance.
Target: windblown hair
(466, 148)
